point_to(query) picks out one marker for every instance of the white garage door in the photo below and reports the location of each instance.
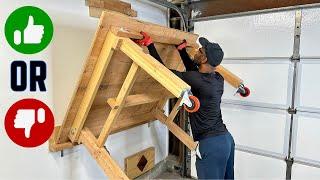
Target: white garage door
(307, 121)
(258, 48)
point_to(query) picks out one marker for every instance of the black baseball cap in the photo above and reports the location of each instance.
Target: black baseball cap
(214, 52)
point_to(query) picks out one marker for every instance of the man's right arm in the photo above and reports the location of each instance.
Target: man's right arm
(188, 63)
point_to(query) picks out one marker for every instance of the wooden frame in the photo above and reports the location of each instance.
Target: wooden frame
(113, 40)
(112, 88)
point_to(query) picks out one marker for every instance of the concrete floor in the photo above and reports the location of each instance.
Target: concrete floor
(163, 170)
(170, 175)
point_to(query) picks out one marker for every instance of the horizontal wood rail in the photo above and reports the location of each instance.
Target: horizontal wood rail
(134, 100)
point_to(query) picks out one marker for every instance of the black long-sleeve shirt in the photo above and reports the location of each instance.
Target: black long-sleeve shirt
(208, 87)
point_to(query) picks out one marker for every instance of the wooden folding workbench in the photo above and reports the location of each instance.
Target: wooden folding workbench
(122, 86)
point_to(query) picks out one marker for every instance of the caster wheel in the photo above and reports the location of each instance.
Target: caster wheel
(195, 105)
(247, 92)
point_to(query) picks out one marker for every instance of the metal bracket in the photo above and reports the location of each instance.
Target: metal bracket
(289, 162)
(297, 35)
(185, 99)
(174, 7)
(291, 110)
(295, 59)
(240, 89)
(106, 149)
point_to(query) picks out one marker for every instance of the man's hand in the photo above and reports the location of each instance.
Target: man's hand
(182, 45)
(145, 41)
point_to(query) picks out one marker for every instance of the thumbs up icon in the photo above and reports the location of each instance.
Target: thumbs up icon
(32, 34)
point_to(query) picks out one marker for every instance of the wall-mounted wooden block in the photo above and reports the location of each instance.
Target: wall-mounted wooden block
(54, 146)
(139, 163)
(96, 7)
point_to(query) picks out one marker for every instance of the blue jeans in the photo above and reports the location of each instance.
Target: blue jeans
(217, 157)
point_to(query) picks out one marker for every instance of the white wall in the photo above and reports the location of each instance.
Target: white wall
(65, 56)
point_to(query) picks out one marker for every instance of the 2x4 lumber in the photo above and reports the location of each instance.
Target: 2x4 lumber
(120, 101)
(154, 68)
(96, 12)
(102, 3)
(231, 78)
(54, 146)
(175, 110)
(99, 70)
(134, 100)
(121, 125)
(160, 34)
(102, 157)
(125, 33)
(96, 7)
(82, 82)
(124, 124)
(163, 100)
(176, 130)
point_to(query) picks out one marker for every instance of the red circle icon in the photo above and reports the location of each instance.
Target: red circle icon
(29, 122)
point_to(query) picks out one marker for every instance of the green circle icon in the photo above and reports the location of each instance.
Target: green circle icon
(29, 30)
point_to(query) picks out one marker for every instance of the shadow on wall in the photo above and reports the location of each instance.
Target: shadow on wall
(70, 47)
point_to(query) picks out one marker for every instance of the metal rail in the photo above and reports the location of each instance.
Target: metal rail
(265, 11)
(167, 4)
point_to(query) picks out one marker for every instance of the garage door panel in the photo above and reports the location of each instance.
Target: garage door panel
(308, 133)
(248, 166)
(256, 129)
(267, 81)
(310, 28)
(305, 172)
(262, 35)
(309, 84)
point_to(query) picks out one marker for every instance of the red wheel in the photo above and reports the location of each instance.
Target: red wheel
(247, 92)
(195, 105)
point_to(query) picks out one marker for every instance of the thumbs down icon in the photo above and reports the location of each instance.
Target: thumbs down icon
(26, 118)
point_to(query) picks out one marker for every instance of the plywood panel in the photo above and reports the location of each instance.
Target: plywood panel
(139, 163)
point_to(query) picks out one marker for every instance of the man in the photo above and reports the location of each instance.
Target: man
(216, 144)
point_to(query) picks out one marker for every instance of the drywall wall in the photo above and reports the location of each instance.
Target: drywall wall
(74, 30)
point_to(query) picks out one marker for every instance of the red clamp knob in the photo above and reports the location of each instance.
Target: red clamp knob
(195, 105)
(246, 92)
